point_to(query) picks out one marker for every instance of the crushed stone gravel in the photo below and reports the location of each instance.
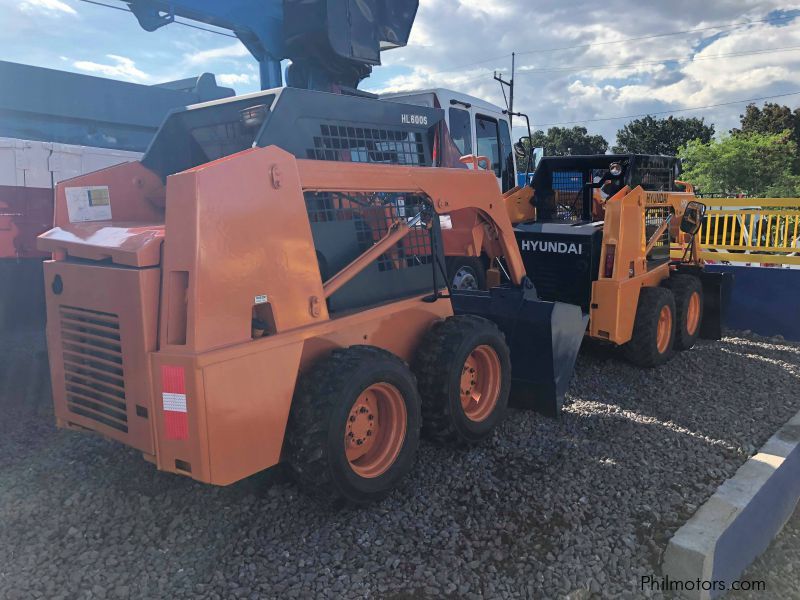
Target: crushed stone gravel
(581, 506)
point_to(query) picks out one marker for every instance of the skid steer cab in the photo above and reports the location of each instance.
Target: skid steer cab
(606, 234)
(268, 285)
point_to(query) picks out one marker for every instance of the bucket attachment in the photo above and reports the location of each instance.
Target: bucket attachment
(717, 289)
(544, 338)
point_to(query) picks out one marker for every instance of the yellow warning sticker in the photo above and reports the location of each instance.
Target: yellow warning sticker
(92, 203)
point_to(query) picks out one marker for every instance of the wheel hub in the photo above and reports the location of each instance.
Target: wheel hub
(465, 279)
(361, 423)
(375, 430)
(480, 383)
(693, 313)
(664, 329)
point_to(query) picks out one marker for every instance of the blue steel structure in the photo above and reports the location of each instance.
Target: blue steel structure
(333, 44)
(257, 23)
(55, 106)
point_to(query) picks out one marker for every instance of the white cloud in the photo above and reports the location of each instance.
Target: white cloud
(123, 68)
(46, 6)
(235, 78)
(574, 33)
(235, 50)
(459, 43)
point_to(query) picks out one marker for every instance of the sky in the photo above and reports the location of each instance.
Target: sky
(579, 62)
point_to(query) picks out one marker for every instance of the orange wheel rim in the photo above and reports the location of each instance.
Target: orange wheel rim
(480, 383)
(664, 329)
(693, 313)
(376, 430)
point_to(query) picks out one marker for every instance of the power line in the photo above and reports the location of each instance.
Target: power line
(622, 41)
(184, 23)
(668, 112)
(534, 71)
(530, 71)
(660, 35)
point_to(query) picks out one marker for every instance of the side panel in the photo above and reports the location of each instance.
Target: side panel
(188, 452)
(614, 305)
(239, 228)
(247, 411)
(238, 398)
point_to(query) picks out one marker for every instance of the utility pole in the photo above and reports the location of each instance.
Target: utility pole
(510, 84)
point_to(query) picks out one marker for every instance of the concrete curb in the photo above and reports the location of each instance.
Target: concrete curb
(739, 521)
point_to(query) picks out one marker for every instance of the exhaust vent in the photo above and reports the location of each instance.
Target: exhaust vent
(93, 373)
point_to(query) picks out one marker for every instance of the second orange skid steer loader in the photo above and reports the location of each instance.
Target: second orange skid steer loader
(266, 286)
(598, 231)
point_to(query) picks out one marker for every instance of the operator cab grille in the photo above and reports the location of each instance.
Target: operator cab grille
(93, 374)
(346, 143)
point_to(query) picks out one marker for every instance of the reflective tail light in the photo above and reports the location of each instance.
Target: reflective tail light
(608, 268)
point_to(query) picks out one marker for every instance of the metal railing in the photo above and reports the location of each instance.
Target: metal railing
(750, 230)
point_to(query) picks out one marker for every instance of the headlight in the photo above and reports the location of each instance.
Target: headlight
(615, 169)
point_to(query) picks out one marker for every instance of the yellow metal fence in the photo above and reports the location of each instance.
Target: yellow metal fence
(752, 230)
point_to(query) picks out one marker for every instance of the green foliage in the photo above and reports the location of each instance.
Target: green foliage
(661, 136)
(772, 118)
(757, 164)
(563, 141)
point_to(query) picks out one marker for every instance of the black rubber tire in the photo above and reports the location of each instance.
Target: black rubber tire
(472, 265)
(682, 287)
(438, 365)
(317, 421)
(642, 349)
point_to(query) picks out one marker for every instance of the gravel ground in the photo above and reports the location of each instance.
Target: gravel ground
(582, 505)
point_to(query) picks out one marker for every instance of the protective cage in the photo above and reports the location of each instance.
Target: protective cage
(572, 194)
(346, 224)
(654, 217)
(565, 185)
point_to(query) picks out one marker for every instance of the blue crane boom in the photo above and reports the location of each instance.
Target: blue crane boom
(333, 44)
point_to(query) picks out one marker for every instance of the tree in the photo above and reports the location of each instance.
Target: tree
(661, 136)
(563, 141)
(757, 164)
(773, 118)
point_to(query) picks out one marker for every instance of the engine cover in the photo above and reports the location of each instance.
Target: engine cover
(562, 259)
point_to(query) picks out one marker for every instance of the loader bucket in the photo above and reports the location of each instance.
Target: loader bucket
(717, 289)
(544, 338)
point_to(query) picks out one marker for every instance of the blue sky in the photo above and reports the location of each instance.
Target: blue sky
(576, 61)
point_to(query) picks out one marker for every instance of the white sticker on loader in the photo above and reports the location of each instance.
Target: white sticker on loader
(92, 203)
(261, 299)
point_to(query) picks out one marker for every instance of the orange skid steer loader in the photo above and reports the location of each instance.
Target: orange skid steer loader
(597, 232)
(267, 285)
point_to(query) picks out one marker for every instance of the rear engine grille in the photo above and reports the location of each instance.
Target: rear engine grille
(93, 374)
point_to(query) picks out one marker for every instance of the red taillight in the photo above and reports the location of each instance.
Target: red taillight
(608, 269)
(173, 396)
